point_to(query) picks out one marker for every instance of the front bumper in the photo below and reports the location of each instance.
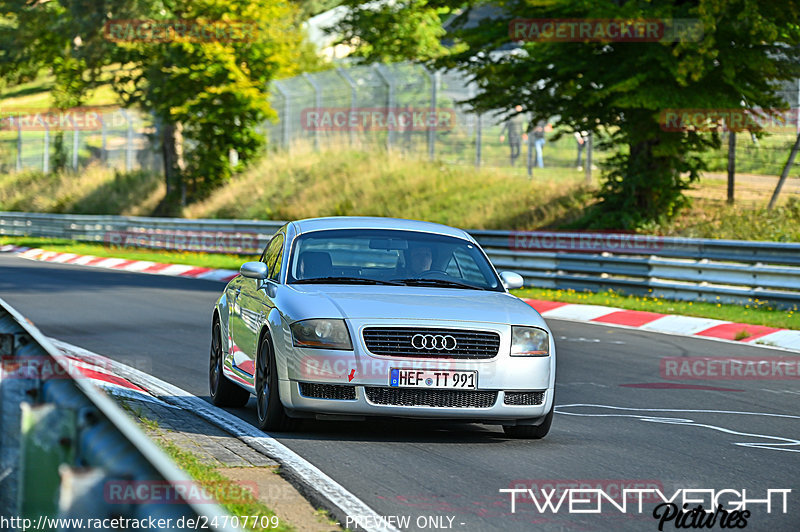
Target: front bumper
(361, 405)
(360, 370)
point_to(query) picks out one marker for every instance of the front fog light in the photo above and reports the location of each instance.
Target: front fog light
(321, 334)
(529, 342)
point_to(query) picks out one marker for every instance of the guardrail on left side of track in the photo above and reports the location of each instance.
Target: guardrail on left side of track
(63, 442)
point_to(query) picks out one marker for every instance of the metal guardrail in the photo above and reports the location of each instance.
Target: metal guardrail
(731, 271)
(63, 441)
(170, 233)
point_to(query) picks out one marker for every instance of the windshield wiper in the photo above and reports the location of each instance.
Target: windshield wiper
(345, 280)
(416, 281)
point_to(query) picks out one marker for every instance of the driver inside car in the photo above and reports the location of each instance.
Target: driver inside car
(420, 259)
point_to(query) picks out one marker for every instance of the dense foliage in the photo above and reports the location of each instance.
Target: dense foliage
(618, 88)
(208, 94)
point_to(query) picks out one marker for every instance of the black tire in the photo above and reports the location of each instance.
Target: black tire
(271, 414)
(223, 391)
(531, 432)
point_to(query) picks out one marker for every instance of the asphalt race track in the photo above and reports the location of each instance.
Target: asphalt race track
(637, 434)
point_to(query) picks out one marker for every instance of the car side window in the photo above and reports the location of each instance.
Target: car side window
(275, 269)
(463, 266)
(273, 256)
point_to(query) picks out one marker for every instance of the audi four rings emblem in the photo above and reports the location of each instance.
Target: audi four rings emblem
(434, 341)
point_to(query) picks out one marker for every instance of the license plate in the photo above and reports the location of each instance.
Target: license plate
(432, 378)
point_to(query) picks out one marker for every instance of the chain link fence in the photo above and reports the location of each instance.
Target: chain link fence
(366, 107)
(357, 107)
(482, 140)
(45, 140)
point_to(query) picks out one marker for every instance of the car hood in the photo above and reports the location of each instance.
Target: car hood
(405, 302)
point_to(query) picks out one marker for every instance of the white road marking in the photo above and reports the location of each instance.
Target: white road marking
(682, 324)
(313, 477)
(578, 312)
(597, 384)
(779, 443)
(786, 338)
(590, 340)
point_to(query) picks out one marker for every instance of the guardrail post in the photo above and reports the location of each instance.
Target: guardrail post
(317, 104)
(530, 153)
(478, 135)
(589, 148)
(389, 102)
(478, 128)
(19, 145)
(797, 109)
(75, 142)
(353, 95)
(46, 156)
(284, 118)
(434, 78)
(104, 141)
(731, 165)
(128, 141)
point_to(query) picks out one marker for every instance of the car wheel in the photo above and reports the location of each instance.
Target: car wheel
(531, 432)
(271, 414)
(223, 391)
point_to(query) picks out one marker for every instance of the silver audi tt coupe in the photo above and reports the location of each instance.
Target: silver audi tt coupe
(349, 317)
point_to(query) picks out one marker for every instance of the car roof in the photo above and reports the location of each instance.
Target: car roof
(376, 222)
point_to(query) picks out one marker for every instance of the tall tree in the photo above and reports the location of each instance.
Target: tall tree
(213, 94)
(207, 89)
(619, 88)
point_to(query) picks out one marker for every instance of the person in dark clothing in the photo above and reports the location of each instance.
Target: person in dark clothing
(581, 137)
(515, 135)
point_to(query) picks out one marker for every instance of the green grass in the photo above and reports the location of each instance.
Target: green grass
(36, 94)
(214, 482)
(345, 182)
(239, 502)
(755, 313)
(714, 219)
(767, 156)
(208, 260)
(95, 190)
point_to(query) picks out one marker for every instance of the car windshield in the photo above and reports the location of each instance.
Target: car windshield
(387, 256)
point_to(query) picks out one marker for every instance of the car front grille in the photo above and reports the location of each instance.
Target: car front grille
(434, 398)
(460, 343)
(327, 391)
(524, 398)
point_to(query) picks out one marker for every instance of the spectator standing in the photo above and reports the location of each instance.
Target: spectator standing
(581, 137)
(539, 141)
(515, 135)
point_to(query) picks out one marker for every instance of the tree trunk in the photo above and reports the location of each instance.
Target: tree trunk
(731, 165)
(174, 163)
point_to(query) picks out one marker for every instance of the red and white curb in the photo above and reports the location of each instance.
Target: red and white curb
(670, 324)
(647, 321)
(139, 266)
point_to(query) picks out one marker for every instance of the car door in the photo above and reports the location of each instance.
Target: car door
(254, 305)
(235, 323)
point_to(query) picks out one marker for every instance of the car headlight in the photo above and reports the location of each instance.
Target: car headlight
(321, 334)
(529, 342)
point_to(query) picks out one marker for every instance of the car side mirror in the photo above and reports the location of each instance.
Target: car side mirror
(254, 270)
(512, 280)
